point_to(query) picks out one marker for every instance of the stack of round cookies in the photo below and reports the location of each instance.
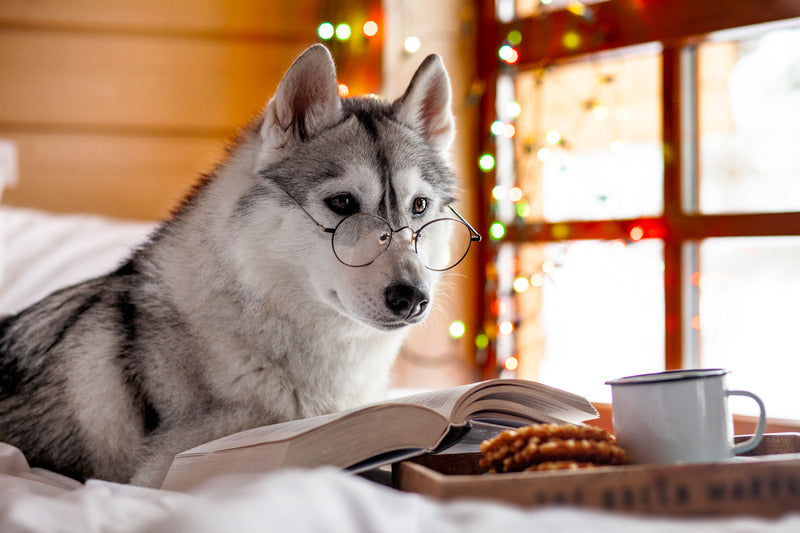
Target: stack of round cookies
(550, 447)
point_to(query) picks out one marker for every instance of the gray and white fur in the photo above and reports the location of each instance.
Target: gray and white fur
(236, 313)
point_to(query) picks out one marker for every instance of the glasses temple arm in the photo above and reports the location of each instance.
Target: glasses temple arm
(475, 235)
(314, 220)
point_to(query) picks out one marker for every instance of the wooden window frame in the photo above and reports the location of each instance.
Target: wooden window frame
(679, 26)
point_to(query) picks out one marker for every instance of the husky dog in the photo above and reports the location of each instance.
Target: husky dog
(281, 288)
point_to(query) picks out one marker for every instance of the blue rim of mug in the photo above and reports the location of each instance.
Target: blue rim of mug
(669, 375)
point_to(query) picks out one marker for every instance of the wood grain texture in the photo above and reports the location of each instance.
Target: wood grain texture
(130, 176)
(242, 19)
(132, 82)
(766, 486)
(117, 108)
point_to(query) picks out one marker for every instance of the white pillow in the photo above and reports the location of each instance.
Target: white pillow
(41, 252)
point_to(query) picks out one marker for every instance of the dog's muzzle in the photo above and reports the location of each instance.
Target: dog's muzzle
(407, 301)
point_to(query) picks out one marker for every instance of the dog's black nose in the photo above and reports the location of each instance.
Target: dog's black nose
(406, 300)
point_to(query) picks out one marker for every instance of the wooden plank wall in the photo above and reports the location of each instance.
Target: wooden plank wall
(118, 107)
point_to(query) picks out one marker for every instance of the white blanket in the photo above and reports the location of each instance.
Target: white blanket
(298, 500)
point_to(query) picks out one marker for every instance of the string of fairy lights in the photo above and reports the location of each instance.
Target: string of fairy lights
(354, 35)
(508, 201)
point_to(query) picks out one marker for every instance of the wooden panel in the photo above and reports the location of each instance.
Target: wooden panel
(680, 227)
(254, 18)
(117, 107)
(141, 177)
(133, 82)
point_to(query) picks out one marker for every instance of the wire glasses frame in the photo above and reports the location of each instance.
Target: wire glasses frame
(367, 236)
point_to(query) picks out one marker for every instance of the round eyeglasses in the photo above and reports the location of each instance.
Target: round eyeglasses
(359, 239)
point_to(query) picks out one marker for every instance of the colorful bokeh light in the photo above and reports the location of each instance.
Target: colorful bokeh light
(325, 30)
(343, 32)
(486, 162)
(457, 329)
(370, 28)
(497, 230)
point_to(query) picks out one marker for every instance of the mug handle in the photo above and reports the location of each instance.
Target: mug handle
(753, 441)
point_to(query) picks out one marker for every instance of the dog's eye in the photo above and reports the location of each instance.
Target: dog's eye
(420, 205)
(342, 204)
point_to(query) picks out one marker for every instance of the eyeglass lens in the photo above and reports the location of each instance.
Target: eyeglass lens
(429, 239)
(359, 239)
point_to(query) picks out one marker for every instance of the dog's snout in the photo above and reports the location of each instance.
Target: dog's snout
(406, 300)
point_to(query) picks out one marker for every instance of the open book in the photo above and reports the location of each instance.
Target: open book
(379, 433)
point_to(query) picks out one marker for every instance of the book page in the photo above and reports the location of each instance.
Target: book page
(512, 397)
(363, 437)
(519, 400)
(442, 401)
(369, 433)
(273, 433)
(292, 429)
(190, 470)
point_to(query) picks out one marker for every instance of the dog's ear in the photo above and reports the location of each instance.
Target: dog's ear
(306, 102)
(426, 104)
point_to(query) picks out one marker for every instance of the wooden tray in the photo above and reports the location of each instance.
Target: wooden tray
(766, 483)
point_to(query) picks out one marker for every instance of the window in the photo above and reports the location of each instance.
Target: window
(748, 292)
(749, 123)
(589, 140)
(645, 200)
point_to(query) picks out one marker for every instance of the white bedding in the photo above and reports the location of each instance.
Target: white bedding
(298, 500)
(42, 252)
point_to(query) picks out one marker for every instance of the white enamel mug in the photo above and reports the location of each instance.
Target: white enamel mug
(678, 416)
